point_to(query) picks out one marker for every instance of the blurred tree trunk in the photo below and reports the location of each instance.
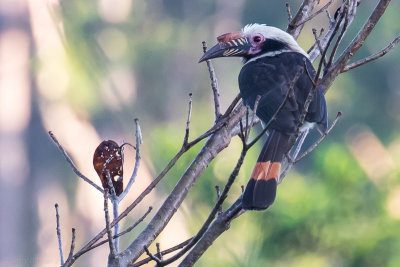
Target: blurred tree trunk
(17, 128)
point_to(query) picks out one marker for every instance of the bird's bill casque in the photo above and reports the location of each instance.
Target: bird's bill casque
(229, 45)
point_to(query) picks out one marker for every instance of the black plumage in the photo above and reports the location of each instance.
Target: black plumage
(271, 77)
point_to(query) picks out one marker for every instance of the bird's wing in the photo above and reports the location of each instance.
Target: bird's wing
(271, 78)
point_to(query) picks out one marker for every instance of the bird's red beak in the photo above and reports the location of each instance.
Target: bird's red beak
(229, 45)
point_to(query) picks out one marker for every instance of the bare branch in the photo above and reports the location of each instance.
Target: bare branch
(375, 56)
(304, 11)
(300, 143)
(322, 9)
(71, 163)
(115, 205)
(139, 141)
(127, 230)
(219, 226)
(289, 13)
(241, 133)
(214, 84)
(317, 41)
(218, 197)
(323, 54)
(185, 139)
(317, 38)
(355, 44)
(158, 251)
(344, 14)
(213, 213)
(162, 253)
(331, 20)
(153, 257)
(291, 157)
(310, 149)
(59, 235)
(334, 25)
(108, 226)
(247, 124)
(308, 73)
(110, 185)
(232, 105)
(71, 250)
(253, 117)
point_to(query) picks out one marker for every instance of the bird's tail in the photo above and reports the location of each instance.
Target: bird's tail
(261, 189)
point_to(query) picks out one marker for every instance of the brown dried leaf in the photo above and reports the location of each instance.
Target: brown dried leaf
(108, 158)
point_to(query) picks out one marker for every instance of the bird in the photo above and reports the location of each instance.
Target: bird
(272, 59)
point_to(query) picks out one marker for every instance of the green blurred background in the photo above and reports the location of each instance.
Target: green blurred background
(86, 69)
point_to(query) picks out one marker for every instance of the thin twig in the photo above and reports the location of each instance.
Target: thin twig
(158, 251)
(290, 158)
(300, 143)
(340, 37)
(127, 230)
(185, 139)
(110, 185)
(220, 225)
(375, 56)
(108, 226)
(153, 257)
(59, 235)
(214, 84)
(325, 7)
(218, 197)
(71, 163)
(241, 132)
(115, 201)
(317, 41)
(304, 11)
(232, 105)
(254, 116)
(308, 73)
(323, 54)
(330, 33)
(164, 252)
(331, 20)
(71, 250)
(311, 148)
(289, 13)
(139, 141)
(356, 43)
(115, 205)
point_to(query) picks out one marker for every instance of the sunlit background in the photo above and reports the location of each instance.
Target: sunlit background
(86, 69)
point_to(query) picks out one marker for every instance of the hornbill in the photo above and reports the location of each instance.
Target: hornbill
(272, 59)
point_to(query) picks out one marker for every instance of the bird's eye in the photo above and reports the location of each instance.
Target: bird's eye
(257, 39)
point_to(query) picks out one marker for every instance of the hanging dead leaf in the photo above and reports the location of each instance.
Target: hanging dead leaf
(108, 158)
